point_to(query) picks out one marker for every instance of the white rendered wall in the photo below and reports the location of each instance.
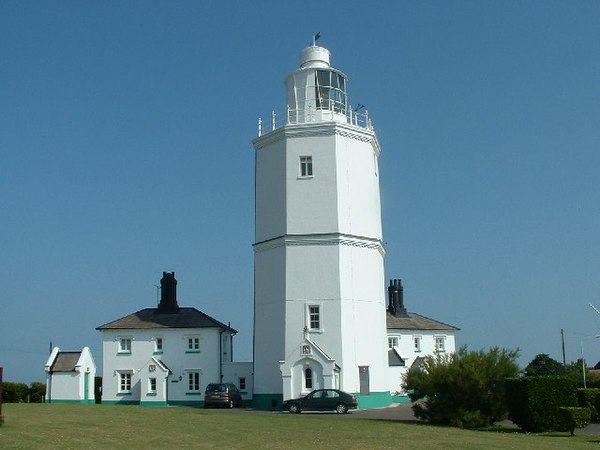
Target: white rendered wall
(174, 354)
(67, 386)
(269, 317)
(406, 350)
(330, 250)
(233, 371)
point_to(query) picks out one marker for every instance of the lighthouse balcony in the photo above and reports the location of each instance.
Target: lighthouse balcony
(324, 113)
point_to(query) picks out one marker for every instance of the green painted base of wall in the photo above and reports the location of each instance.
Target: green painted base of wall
(374, 400)
(120, 402)
(73, 402)
(401, 399)
(268, 402)
(153, 403)
(198, 403)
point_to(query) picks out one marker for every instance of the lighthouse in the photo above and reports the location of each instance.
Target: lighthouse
(319, 297)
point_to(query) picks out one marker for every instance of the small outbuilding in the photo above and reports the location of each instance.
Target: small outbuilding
(70, 376)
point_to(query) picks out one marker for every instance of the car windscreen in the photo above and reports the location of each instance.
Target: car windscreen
(215, 388)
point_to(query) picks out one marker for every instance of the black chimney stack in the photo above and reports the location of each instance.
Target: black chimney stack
(168, 294)
(396, 299)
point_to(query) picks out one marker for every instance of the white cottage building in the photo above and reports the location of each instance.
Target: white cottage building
(320, 313)
(412, 337)
(166, 355)
(70, 376)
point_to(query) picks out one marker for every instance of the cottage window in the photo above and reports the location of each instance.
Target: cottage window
(194, 381)
(193, 344)
(158, 345)
(440, 344)
(417, 343)
(392, 341)
(242, 383)
(124, 382)
(125, 345)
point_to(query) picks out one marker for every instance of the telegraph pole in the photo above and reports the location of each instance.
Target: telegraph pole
(1, 393)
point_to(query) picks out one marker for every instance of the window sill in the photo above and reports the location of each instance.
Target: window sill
(122, 394)
(158, 352)
(151, 394)
(307, 177)
(123, 353)
(194, 393)
(192, 351)
(316, 330)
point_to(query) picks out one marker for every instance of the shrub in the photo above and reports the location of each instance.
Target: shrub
(37, 391)
(533, 402)
(15, 392)
(573, 417)
(590, 398)
(464, 389)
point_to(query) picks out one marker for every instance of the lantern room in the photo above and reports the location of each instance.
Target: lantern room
(316, 92)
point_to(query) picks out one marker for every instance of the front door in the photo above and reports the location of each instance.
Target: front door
(363, 376)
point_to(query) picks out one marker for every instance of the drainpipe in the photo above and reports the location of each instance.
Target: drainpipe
(220, 355)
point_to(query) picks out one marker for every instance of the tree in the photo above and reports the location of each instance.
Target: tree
(37, 391)
(464, 389)
(543, 364)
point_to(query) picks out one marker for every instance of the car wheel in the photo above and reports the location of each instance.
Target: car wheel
(294, 408)
(341, 408)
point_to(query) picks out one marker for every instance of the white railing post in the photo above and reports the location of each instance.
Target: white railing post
(273, 120)
(260, 127)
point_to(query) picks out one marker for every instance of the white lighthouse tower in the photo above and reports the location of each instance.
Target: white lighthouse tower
(319, 301)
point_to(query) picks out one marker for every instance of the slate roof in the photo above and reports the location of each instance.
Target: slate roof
(150, 318)
(394, 358)
(415, 321)
(65, 362)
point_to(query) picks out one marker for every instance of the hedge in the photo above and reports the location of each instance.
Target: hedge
(534, 402)
(571, 417)
(590, 398)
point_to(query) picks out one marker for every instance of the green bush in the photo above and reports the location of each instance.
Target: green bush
(533, 402)
(590, 398)
(463, 389)
(37, 391)
(21, 393)
(15, 392)
(572, 417)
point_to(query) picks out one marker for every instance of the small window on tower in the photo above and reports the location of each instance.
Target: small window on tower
(306, 166)
(314, 317)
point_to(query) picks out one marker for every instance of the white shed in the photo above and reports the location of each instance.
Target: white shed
(70, 376)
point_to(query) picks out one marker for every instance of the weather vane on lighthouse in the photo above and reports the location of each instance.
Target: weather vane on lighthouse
(316, 38)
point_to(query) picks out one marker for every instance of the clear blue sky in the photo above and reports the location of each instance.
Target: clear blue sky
(125, 144)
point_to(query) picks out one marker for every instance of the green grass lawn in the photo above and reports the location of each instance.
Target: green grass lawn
(128, 427)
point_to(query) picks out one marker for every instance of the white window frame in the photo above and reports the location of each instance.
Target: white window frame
(439, 343)
(125, 381)
(309, 377)
(393, 341)
(124, 343)
(158, 344)
(310, 317)
(306, 166)
(417, 343)
(194, 381)
(193, 344)
(152, 389)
